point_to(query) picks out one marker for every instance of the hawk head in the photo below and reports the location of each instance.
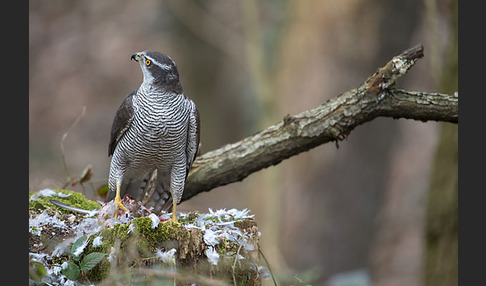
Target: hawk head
(159, 71)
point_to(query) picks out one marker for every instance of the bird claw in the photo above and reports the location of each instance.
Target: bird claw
(119, 205)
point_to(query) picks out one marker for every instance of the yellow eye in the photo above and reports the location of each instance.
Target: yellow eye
(148, 62)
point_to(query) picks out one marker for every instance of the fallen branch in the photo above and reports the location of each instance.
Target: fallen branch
(329, 122)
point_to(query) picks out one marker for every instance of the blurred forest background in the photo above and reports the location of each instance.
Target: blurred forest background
(247, 64)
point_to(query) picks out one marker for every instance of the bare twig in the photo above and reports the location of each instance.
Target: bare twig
(233, 267)
(64, 136)
(268, 265)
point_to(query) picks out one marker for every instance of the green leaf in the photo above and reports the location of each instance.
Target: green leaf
(71, 272)
(80, 241)
(90, 260)
(37, 270)
(103, 190)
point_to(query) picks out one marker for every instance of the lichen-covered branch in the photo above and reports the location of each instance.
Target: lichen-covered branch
(329, 122)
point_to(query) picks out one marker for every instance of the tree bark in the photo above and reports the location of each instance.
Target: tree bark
(331, 121)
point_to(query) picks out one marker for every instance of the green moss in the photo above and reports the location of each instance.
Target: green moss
(211, 218)
(152, 237)
(75, 199)
(190, 218)
(119, 231)
(59, 259)
(145, 236)
(226, 246)
(135, 243)
(143, 239)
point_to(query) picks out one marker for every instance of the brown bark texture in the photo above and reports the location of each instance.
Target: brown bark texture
(331, 121)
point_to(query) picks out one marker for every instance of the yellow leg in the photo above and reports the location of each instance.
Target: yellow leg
(118, 201)
(174, 217)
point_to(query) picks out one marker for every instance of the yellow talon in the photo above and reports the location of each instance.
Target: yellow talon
(174, 217)
(118, 202)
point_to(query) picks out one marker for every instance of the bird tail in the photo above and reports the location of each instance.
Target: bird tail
(157, 192)
(152, 191)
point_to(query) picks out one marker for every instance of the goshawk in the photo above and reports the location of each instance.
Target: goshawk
(154, 137)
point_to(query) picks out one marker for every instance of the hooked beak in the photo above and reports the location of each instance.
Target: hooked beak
(135, 57)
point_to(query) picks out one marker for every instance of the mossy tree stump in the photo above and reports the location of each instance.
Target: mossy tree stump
(219, 248)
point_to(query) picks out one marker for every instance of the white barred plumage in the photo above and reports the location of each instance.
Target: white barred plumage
(155, 128)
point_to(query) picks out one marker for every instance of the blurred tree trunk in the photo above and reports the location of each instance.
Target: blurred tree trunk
(267, 204)
(441, 263)
(441, 221)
